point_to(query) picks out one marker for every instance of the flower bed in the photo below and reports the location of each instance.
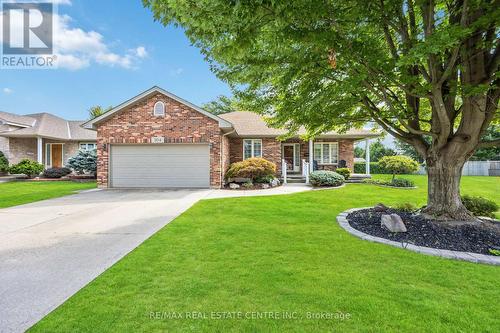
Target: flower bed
(481, 237)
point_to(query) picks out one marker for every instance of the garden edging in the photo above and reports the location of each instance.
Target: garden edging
(457, 255)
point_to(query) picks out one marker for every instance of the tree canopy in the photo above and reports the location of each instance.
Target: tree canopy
(427, 71)
(97, 110)
(222, 104)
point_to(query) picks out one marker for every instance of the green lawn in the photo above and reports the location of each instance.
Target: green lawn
(18, 193)
(286, 254)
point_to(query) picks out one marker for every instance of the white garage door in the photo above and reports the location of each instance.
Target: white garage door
(169, 165)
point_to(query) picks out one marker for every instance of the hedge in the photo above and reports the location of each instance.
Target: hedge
(375, 168)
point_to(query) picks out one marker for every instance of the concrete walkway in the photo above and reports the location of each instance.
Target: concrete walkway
(51, 249)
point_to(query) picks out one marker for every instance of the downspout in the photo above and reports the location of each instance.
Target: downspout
(221, 153)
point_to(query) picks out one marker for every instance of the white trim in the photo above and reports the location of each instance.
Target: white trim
(252, 153)
(296, 168)
(311, 155)
(320, 161)
(39, 150)
(86, 143)
(91, 124)
(162, 114)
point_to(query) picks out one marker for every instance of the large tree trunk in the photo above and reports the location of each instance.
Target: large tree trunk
(443, 200)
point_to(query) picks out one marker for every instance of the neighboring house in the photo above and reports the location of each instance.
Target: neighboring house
(157, 139)
(42, 137)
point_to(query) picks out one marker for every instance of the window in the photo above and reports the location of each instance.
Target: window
(252, 148)
(326, 152)
(88, 146)
(159, 109)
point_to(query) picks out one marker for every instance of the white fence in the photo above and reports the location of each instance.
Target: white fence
(475, 168)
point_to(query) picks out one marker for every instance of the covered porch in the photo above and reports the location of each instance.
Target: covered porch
(299, 158)
(51, 153)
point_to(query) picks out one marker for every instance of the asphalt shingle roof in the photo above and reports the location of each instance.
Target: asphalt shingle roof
(252, 124)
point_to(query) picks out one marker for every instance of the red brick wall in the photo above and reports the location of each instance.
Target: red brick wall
(136, 124)
(272, 151)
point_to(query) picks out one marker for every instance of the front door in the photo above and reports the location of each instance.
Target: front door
(56, 160)
(291, 155)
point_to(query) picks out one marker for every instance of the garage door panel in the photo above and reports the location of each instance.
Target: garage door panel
(181, 165)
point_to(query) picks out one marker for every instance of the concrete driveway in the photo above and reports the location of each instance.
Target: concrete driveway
(51, 249)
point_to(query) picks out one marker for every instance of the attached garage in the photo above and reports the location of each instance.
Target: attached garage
(160, 166)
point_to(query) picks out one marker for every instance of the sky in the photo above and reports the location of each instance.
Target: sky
(108, 51)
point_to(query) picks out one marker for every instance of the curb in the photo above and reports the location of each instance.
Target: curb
(457, 255)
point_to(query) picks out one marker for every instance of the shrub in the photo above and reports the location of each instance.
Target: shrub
(398, 182)
(84, 161)
(480, 206)
(4, 163)
(253, 168)
(407, 207)
(326, 178)
(56, 172)
(346, 172)
(402, 182)
(398, 164)
(375, 168)
(27, 167)
(248, 185)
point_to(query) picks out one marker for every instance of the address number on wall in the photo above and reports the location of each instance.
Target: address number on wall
(158, 139)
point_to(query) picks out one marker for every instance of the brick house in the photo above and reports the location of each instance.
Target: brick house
(157, 139)
(43, 137)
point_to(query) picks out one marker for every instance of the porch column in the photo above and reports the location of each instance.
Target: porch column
(311, 156)
(39, 150)
(367, 156)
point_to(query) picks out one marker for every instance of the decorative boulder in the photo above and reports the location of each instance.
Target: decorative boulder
(264, 186)
(380, 207)
(393, 223)
(234, 186)
(275, 182)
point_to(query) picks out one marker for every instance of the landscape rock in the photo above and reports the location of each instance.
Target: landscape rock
(264, 186)
(380, 207)
(275, 182)
(234, 186)
(393, 223)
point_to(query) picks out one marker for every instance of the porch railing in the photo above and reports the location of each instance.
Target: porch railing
(283, 170)
(306, 170)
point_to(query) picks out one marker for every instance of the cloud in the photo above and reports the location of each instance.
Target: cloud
(76, 48)
(7, 91)
(141, 52)
(177, 71)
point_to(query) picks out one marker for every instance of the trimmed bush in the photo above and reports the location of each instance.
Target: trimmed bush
(398, 164)
(375, 168)
(56, 172)
(406, 207)
(480, 206)
(402, 182)
(346, 172)
(27, 167)
(326, 178)
(398, 182)
(4, 164)
(256, 169)
(84, 161)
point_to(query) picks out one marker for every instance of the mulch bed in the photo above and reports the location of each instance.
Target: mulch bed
(424, 232)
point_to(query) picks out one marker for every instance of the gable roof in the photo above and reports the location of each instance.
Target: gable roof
(50, 126)
(91, 124)
(251, 124)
